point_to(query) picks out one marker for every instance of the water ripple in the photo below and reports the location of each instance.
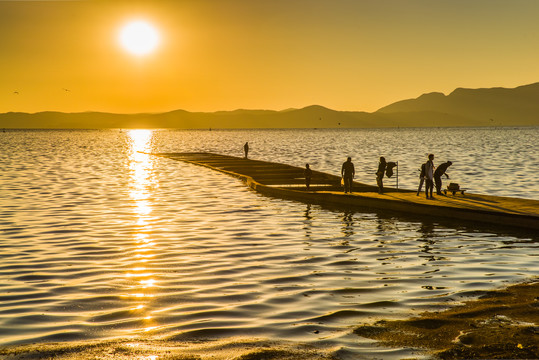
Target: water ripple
(98, 241)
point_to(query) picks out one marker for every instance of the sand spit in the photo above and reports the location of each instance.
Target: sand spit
(500, 324)
(165, 350)
(288, 182)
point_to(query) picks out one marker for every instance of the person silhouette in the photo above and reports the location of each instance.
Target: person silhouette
(380, 174)
(429, 176)
(421, 178)
(246, 149)
(441, 170)
(308, 175)
(347, 172)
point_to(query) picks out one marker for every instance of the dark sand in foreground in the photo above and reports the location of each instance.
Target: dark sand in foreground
(499, 325)
(241, 349)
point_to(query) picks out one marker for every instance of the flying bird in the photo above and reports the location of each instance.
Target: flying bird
(16, 93)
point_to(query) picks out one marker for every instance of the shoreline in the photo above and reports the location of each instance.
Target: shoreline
(143, 349)
(500, 324)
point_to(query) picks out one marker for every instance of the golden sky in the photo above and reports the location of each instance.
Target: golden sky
(260, 54)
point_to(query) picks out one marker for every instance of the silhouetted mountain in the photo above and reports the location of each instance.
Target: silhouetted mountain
(463, 107)
(475, 107)
(309, 117)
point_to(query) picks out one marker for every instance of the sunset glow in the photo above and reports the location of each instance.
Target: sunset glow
(247, 179)
(204, 56)
(139, 37)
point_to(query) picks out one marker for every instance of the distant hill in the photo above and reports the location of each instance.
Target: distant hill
(477, 107)
(309, 117)
(463, 107)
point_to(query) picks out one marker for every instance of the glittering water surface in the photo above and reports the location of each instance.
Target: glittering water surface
(100, 241)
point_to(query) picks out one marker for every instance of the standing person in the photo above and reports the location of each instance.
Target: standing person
(348, 172)
(421, 178)
(308, 174)
(246, 149)
(441, 170)
(380, 174)
(429, 176)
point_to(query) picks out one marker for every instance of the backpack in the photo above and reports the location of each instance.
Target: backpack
(389, 168)
(423, 171)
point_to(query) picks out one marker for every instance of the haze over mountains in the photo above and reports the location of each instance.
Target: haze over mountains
(463, 107)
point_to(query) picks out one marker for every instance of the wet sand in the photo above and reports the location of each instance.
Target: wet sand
(501, 324)
(240, 349)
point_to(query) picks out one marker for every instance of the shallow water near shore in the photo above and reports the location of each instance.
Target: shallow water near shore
(102, 242)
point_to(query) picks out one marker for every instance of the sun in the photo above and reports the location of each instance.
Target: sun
(139, 37)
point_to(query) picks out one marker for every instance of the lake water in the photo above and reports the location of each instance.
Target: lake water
(98, 241)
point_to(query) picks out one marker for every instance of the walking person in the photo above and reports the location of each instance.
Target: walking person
(421, 178)
(348, 172)
(380, 174)
(308, 173)
(246, 149)
(441, 170)
(429, 177)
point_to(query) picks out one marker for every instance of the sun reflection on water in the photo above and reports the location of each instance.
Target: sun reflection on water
(139, 276)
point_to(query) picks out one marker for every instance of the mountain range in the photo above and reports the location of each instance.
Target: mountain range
(463, 107)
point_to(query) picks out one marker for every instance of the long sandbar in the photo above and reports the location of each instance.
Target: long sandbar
(286, 181)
